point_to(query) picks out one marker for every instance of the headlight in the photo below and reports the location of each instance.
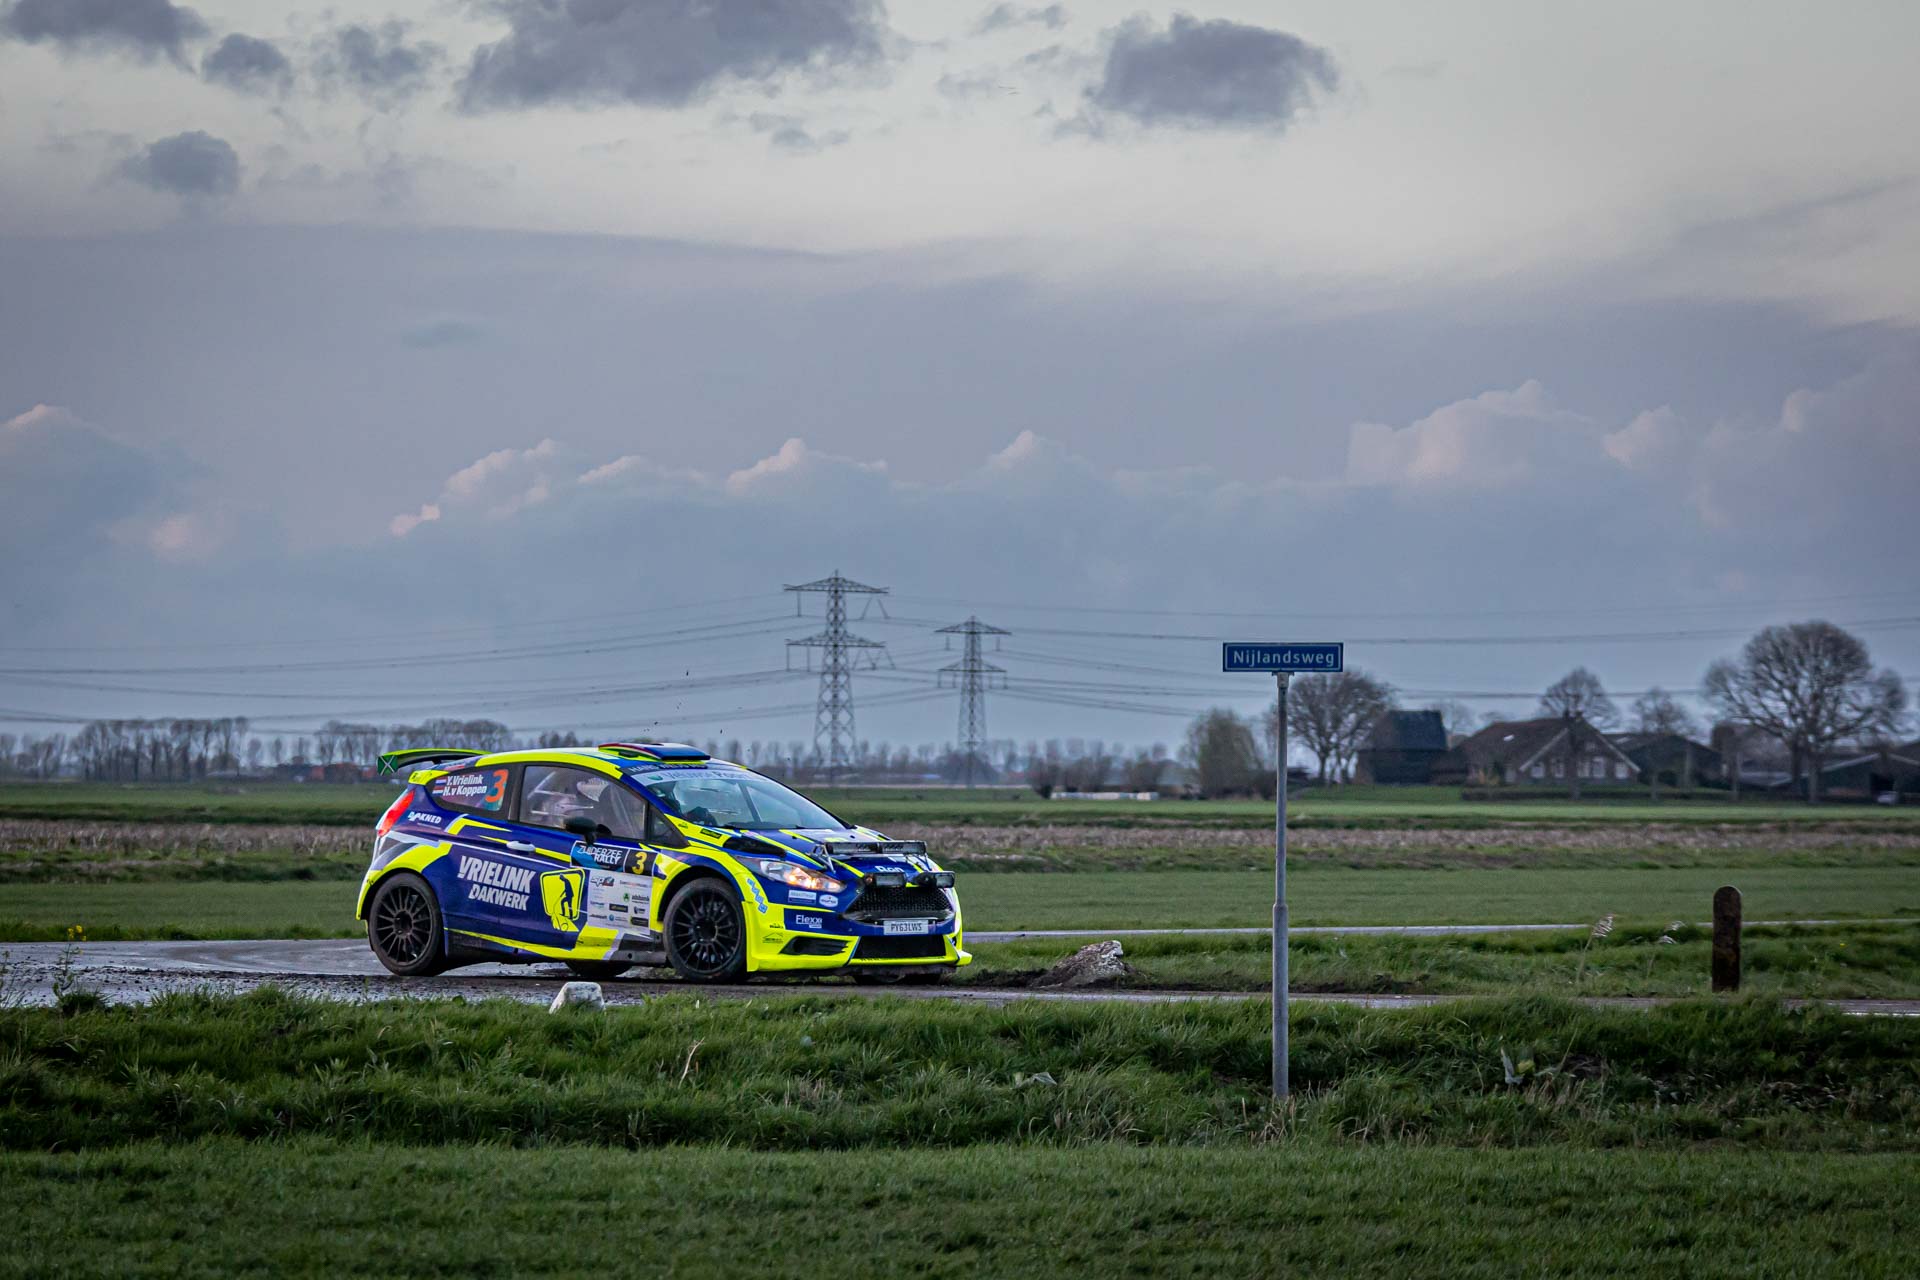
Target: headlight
(799, 877)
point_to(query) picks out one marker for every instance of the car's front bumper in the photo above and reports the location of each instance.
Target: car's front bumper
(778, 942)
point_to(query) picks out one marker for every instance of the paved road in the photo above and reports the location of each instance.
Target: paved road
(344, 969)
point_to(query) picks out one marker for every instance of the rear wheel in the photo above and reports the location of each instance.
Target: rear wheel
(706, 938)
(403, 927)
(598, 969)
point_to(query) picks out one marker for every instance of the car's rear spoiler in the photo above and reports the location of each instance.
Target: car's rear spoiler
(413, 757)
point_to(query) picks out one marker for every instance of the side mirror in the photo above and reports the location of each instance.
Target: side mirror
(663, 833)
(586, 828)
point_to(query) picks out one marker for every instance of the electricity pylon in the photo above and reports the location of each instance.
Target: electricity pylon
(833, 717)
(974, 676)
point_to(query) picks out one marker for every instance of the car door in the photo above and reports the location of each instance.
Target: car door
(600, 897)
(490, 887)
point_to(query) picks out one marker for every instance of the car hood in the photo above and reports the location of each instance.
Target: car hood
(861, 848)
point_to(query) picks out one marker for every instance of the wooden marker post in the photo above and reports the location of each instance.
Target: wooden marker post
(1726, 938)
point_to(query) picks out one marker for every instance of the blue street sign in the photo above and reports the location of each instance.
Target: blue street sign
(1256, 656)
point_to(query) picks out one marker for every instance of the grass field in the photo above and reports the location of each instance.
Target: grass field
(361, 804)
(806, 1073)
(976, 1213)
(1858, 961)
(1085, 900)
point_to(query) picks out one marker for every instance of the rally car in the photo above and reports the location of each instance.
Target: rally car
(642, 853)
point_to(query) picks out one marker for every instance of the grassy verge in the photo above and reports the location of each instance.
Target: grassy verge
(1089, 900)
(817, 1073)
(309, 1208)
(1861, 961)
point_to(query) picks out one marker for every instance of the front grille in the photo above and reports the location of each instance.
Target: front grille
(928, 947)
(909, 902)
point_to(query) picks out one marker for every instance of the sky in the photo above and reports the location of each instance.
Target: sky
(509, 357)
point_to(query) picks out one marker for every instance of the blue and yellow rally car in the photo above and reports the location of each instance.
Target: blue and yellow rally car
(642, 854)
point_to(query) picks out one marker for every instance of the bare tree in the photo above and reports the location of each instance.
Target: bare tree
(1577, 697)
(1456, 717)
(1810, 684)
(1221, 749)
(1331, 714)
(1656, 713)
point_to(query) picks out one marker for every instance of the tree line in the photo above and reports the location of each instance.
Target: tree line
(1809, 687)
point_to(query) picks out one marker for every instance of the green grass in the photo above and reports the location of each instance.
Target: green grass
(1084, 900)
(1384, 807)
(1863, 961)
(806, 1073)
(978, 1213)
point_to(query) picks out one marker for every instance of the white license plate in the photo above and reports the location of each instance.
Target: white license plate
(907, 926)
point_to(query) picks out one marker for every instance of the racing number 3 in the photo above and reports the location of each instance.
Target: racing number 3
(497, 792)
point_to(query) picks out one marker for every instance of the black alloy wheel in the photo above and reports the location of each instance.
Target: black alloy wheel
(598, 970)
(706, 939)
(403, 926)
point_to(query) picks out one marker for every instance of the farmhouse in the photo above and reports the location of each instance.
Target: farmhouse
(1865, 774)
(1674, 760)
(1534, 752)
(1408, 747)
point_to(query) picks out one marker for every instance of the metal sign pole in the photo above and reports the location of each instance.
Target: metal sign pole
(1280, 894)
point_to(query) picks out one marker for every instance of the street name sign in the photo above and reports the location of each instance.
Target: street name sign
(1241, 655)
(1283, 662)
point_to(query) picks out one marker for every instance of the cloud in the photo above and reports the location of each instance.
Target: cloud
(1495, 440)
(377, 61)
(790, 133)
(1209, 74)
(191, 164)
(147, 29)
(495, 486)
(664, 53)
(1005, 17)
(64, 480)
(248, 64)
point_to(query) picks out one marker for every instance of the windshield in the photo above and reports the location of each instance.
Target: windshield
(734, 799)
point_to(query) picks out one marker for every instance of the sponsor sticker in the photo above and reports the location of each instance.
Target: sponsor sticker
(495, 883)
(604, 855)
(801, 895)
(806, 922)
(431, 819)
(829, 900)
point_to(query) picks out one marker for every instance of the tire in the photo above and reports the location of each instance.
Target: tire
(597, 970)
(403, 927)
(706, 936)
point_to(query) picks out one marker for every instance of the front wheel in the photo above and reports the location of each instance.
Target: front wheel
(403, 927)
(706, 938)
(598, 970)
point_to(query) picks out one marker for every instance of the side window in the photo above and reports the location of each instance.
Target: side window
(552, 793)
(473, 790)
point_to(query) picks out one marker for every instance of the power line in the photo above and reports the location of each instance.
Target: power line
(833, 715)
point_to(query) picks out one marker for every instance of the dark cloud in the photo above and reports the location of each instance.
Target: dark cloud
(248, 64)
(662, 52)
(377, 60)
(192, 164)
(144, 28)
(1210, 74)
(789, 133)
(1003, 17)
